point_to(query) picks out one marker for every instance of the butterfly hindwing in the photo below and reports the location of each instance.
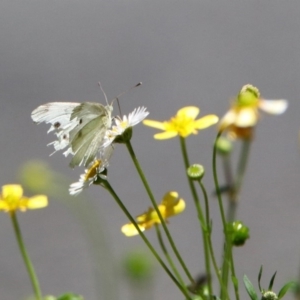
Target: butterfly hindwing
(88, 140)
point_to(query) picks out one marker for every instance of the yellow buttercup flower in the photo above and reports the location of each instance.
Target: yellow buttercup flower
(183, 124)
(171, 205)
(12, 199)
(243, 115)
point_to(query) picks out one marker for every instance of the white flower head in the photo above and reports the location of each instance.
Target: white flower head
(121, 124)
(92, 173)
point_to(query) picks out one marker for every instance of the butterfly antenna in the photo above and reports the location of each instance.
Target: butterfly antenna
(128, 90)
(117, 98)
(119, 107)
(99, 83)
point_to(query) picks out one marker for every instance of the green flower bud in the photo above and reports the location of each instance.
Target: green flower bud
(138, 266)
(195, 172)
(269, 295)
(248, 96)
(239, 233)
(124, 137)
(224, 146)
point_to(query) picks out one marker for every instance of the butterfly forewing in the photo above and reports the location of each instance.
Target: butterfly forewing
(56, 113)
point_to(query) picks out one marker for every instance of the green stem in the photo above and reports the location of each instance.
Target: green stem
(231, 209)
(230, 184)
(163, 223)
(142, 235)
(218, 273)
(27, 261)
(167, 255)
(234, 279)
(207, 237)
(235, 187)
(203, 224)
(244, 157)
(227, 247)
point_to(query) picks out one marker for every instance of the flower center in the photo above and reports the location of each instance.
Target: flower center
(183, 125)
(92, 171)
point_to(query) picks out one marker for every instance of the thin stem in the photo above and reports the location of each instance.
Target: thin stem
(244, 157)
(27, 261)
(201, 218)
(217, 270)
(227, 247)
(235, 282)
(163, 223)
(231, 209)
(230, 184)
(142, 235)
(167, 255)
(216, 181)
(207, 236)
(206, 204)
(235, 187)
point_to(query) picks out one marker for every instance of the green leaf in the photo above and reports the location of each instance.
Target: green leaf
(272, 282)
(286, 288)
(250, 289)
(259, 277)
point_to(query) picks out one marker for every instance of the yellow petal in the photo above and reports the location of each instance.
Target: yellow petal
(188, 112)
(175, 209)
(130, 230)
(170, 199)
(206, 121)
(246, 117)
(13, 191)
(173, 204)
(179, 207)
(165, 135)
(4, 206)
(274, 107)
(154, 124)
(38, 201)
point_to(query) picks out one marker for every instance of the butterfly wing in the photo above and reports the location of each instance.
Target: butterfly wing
(81, 126)
(93, 120)
(58, 114)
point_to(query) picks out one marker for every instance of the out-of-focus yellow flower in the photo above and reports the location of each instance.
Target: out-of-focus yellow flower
(171, 205)
(243, 115)
(12, 199)
(183, 124)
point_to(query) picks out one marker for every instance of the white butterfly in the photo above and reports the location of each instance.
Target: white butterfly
(81, 126)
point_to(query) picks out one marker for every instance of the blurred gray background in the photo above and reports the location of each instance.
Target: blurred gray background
(185, 53)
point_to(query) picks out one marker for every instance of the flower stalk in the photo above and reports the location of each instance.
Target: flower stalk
(25, 256)
(150, 194)
(203, 224)
(144, 238)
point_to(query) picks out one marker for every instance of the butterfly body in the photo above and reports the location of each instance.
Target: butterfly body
(81, 126)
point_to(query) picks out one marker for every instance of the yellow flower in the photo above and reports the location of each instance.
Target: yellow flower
(12, 199)
(243, 115)
(182, 124)
(171, 205)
